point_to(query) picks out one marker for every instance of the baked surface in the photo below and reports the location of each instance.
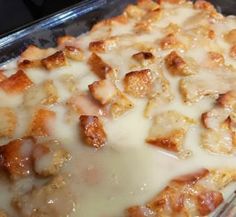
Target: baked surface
(135, 118)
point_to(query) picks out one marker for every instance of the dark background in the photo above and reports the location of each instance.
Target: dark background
(15, 13)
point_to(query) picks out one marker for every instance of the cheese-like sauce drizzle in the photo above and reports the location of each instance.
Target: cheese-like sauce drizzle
(126, 171)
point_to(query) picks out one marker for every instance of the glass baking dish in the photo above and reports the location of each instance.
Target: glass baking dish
(74, 21)
(71, 21)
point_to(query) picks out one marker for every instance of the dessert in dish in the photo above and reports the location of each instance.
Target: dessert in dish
(134, 118)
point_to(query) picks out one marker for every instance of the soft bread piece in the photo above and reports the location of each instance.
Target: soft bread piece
(188, 195)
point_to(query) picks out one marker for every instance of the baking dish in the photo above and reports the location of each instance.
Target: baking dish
(72, 21)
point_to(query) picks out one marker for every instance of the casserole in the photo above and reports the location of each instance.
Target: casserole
(102, 123)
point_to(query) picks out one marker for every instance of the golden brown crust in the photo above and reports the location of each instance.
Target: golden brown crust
(14, 160)
(2, 75)
(147, 21)
(171, 137)
(230, 37)
(103, 45)
(219, 135)
(54, 61)
(133, 11)
(148, 5)
(99, 67)
(16, 83)
(209, 201)
(29, 64)
(103, 91)
(177, 65)
(41, 124)
(171, 142)
(169, 41)
(188, 195)
(138, 83)
(8, 121)
(66, 40)
(204, 5)
(227, 100)
(33, 52)
(144, 58)
(92, 132)
(191, 177)
(136, 211)
(215, 59)
(232, 52)
(73, 53)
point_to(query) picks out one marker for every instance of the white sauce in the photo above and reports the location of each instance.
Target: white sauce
(127, 171)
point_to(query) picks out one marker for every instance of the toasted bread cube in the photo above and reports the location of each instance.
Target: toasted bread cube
(16, 83)
(44, 93)
(103, 91)
(177, 65)
(144, 58)
(121, 105)
(103, 45)
(67, 40)
(169, 41)
(84, 104)
(42, 122)
(143, 27)
(230, 37)
(209, 201)
(49, 157)
(232, 52)
(2, 75)
(16, 157)
(147, 21)
(215, 118)
(227, 100)
(138, 83)
(133, 11)
(219, 178)
(29, 64)
(92, 131)
(170, 137)
(32, 53)
(73, 53)
(54, 198)
(100, 68)
(148, 5)
(195, 87)
(8, 121)
(189, 195)
(204, 5)
(218, 141)
(191, 177)
(106, 24)
(54, 61)
(215, 59)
